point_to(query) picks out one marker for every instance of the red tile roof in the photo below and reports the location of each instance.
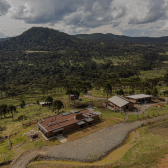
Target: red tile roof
(59, 121)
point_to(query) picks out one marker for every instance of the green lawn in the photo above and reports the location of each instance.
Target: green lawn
(146, 152)
(150, 113)
(155, 73)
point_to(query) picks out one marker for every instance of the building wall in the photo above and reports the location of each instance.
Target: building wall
(133, 100)
(130, 106)
(70, 127)
(73, 97)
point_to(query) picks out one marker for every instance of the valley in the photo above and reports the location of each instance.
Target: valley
(43, 66)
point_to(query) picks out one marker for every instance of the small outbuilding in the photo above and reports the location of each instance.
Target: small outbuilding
(120, 103)
(140, 98)
(45, 104)
(73, 97)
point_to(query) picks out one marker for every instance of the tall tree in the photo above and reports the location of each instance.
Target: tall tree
(3, 109)
(107, 89)
(57, 105)
(12, 109)
(49, 99)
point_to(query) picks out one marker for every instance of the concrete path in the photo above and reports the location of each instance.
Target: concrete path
(61, 138)
(87, 149)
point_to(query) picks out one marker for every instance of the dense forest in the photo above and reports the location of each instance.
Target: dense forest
(43, 54)
(112, 37)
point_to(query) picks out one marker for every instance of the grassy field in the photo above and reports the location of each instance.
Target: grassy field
(27, 145)
(32, 98)
(144, 148)
(155, 73)
(115, 60)
(150, 113)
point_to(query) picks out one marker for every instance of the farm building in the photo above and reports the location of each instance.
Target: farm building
(120, 103)
(65, 122)
(45, 104)
(140, 98)
(73, 97)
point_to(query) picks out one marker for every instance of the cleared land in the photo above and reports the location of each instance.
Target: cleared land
(145, 147)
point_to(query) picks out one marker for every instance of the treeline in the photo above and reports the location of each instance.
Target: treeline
(51, 85)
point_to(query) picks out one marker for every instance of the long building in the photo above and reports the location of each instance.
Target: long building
(65, 122)
(141, 98)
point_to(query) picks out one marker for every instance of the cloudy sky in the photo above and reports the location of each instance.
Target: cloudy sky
(122, 17)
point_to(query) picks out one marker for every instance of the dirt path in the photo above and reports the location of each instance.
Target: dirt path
(163, 162)
(90, 148)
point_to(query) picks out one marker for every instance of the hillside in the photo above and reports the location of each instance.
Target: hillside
(4, 39)
(39, 39)
(112, 37)
(67, 57)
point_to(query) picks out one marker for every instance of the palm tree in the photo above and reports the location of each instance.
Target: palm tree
(12, 109)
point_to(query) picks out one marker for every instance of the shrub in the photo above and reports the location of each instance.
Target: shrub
(3, 128)
(21, 117)
(142, 125)
(38, 101)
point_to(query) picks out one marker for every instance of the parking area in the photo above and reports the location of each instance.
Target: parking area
(140, 108)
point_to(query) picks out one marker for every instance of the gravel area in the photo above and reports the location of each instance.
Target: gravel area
(143, 107)
(95, 146)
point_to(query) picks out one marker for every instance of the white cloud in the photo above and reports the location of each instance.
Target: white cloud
(128, 17)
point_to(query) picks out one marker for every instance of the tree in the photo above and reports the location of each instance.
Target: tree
(57, 105)
(154, 92)
(148, 92)
(107, 89)
(69, 92)
(84, 90)
(38, 101)
(49, 99)
(3, 109)
(120, 92)
(12, 109)
(22, 104)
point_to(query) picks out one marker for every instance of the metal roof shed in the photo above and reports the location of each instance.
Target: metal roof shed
(139, 96)
(88, 119)
(80, 122)
(98, 113)
(119, 101)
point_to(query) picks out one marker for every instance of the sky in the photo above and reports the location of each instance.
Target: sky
(133, 18)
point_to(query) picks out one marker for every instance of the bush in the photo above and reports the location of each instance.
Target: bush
(21, 117)
(148, 92)
(38, 101)
(3, 128)
(142, 125)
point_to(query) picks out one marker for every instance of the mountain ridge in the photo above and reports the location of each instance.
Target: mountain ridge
(112, 37)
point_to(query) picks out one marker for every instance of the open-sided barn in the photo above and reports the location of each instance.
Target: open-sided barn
(141, 98)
